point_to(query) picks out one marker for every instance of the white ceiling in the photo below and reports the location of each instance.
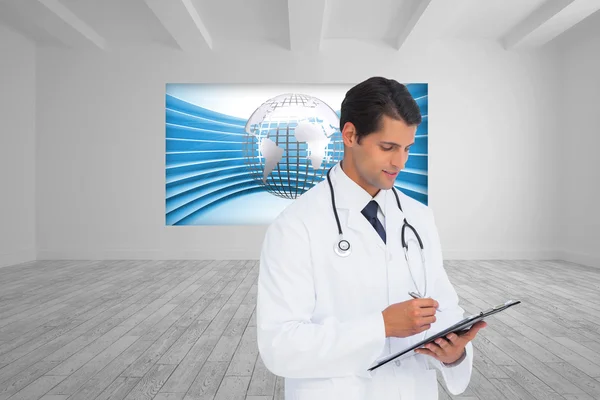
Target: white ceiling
(296, 25)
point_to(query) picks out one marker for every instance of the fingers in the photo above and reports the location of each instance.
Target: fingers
(425, 312)
(426, 303)
(444, 344)
(420, 314)
(480, 325)
(427, 320)
(427, 352)
(470, 335)
(453, 338)
(437, 349)
(421, 328)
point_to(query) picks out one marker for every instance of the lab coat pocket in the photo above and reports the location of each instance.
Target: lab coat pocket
(346, 388)
(426, 386)
(313, 390)
(313, 394)
(343, 274)
(356, 269)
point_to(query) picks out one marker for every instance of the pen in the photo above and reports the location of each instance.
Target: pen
(417, 296)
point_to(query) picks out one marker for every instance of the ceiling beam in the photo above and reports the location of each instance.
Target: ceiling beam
(548, 21)
(72, 28)
(306, 23)
(420, 7)
(182, 20)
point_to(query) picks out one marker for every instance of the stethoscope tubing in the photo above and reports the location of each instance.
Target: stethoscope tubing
(343, 247)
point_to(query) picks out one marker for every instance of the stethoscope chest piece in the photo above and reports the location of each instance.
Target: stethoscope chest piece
(342, 248)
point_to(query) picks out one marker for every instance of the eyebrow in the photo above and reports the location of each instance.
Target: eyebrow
(395, 144)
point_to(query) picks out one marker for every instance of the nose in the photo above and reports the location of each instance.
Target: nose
(399, 159)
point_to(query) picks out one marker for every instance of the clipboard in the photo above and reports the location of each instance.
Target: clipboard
(458, 328)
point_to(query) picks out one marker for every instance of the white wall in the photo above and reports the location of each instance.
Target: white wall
(579, 141)
(17, 142)
(102, 140)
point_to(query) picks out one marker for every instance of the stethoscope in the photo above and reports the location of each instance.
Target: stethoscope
(343, 249)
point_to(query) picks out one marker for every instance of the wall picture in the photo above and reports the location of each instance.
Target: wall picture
(239, 154)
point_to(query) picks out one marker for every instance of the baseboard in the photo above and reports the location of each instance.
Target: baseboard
(580, 258)
(501, 255)
(17, 257)
(232, 254)
(245, 254)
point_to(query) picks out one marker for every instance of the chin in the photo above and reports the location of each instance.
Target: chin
(385, 185)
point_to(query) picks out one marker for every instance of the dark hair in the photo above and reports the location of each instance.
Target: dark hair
(366, 103)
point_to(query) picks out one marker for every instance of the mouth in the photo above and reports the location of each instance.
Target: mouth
(390, 174)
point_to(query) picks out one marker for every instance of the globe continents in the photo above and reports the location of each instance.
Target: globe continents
(291, 140)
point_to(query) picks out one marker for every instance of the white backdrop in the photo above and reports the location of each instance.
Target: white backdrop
(579, 142)
(100, 118)
(17, 145)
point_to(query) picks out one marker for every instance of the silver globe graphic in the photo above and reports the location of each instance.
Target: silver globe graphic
(291, 140)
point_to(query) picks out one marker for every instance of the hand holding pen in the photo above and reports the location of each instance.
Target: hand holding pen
(409, 317)
(418, 296)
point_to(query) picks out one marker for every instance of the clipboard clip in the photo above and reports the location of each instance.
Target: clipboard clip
(497, 307)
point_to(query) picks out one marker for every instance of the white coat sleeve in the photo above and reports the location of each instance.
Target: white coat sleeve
(290, 344)
(457, 377)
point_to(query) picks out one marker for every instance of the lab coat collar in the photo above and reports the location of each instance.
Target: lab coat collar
(351, 199)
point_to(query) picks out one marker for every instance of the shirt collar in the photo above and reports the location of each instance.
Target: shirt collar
(354, 196)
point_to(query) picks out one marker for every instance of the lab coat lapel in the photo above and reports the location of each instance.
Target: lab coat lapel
(349, 205)
(360, 226)
(394, 218)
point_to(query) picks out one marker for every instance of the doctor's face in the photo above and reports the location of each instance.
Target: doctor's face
(376, 161)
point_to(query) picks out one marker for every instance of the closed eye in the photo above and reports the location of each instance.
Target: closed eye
(388, 146)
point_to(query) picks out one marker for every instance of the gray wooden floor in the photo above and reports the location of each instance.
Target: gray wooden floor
(186, 330)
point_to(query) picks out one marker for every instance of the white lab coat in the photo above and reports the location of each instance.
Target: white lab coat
(319, 316)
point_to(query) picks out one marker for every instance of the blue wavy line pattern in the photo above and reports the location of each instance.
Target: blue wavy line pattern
(209, 161)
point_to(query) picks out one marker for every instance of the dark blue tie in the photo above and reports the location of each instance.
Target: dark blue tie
(370, 213)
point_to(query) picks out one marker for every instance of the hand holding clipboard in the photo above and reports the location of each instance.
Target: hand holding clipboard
(459, 328)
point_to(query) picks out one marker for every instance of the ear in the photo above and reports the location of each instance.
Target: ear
(349, 134)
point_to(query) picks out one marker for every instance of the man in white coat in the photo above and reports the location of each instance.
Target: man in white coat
(324, 319)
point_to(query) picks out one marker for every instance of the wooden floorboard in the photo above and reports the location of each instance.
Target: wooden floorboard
(184, 330)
